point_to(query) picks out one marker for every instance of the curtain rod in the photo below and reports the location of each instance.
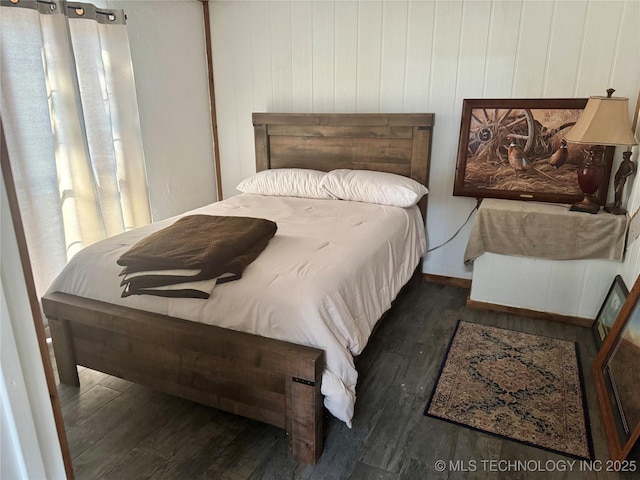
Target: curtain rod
(76, 7)
(79, 11)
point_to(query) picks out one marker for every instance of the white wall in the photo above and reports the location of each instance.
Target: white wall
(573, 288)
(419, 56)
(170, 67)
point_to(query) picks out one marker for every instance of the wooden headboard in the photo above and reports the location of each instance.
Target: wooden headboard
(388, 142)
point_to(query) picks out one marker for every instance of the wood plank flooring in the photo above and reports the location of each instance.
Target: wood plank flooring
(119, 430)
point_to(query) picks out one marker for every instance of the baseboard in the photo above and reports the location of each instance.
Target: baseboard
(453, 281)
(525, 312)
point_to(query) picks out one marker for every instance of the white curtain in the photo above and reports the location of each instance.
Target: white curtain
(69, 109)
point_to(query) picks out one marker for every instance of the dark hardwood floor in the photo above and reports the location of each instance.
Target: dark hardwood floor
(119, 430)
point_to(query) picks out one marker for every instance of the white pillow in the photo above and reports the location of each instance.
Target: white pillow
(286, 182)
(373, 187)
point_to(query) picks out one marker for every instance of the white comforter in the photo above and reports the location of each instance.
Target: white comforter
(324, 280)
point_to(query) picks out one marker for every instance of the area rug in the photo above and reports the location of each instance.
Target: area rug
(519, 386)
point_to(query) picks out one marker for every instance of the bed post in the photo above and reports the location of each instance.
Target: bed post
(64, 351)
(420, 158)
(262, 146)
(304, 408)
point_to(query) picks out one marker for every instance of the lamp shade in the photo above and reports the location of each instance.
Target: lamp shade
(604, 121)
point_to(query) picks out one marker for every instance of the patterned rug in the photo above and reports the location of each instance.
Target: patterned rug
(519, 386)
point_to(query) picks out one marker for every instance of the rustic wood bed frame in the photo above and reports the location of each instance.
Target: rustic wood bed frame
(264, 379)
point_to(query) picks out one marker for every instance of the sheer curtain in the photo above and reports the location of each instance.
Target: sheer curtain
(69, 109)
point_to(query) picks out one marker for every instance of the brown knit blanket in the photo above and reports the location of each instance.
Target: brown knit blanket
(209, 246)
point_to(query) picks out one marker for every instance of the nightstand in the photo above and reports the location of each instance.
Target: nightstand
(542, 258)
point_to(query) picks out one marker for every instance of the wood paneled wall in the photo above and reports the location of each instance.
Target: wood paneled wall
(416, 56)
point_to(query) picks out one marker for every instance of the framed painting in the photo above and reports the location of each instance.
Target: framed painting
(609, 310)
(616, 377)
(514, 149)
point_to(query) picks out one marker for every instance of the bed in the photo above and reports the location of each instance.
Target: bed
(272, 380)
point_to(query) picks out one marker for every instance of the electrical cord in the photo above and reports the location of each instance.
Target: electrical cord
(479, 201)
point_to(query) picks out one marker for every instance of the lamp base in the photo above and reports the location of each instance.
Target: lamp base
(587, 205)
(615, 210)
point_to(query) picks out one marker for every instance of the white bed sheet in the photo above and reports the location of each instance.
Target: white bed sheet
(331, 271)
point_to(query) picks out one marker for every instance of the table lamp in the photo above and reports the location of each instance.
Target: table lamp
(604, 121)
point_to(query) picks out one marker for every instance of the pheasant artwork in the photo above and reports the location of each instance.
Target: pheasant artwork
(514, 155)
(560, 156)
(520, 163)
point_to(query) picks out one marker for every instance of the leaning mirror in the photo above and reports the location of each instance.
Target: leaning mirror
(617, 379)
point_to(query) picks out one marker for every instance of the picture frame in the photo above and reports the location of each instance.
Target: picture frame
(609, 310)
(537, 126)
(616, 378)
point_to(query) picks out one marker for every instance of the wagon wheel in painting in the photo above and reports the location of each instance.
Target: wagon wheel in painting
(547, 134)
(492, 127)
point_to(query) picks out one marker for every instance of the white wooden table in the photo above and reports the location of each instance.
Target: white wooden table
(568, 289)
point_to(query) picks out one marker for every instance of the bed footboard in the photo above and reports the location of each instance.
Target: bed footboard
(256, 377)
